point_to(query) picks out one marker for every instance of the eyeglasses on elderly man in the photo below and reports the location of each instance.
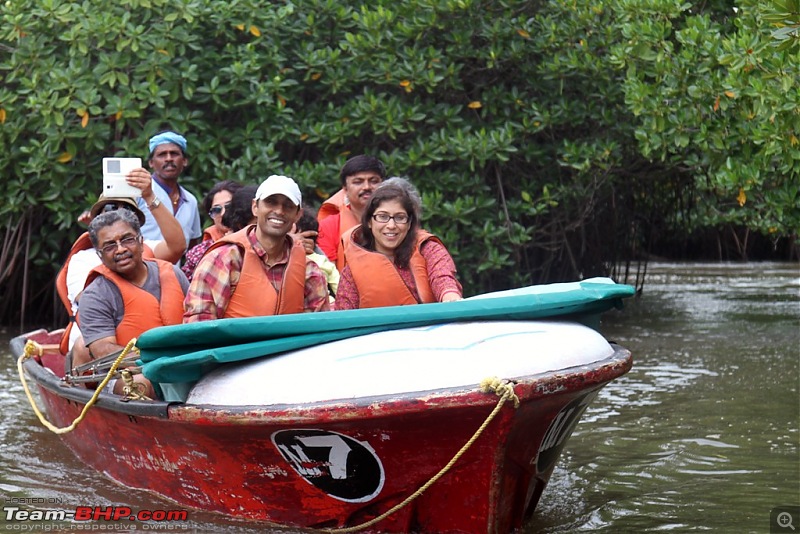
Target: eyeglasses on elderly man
(128, 242)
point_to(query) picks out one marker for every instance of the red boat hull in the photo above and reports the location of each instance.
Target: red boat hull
(256, 462)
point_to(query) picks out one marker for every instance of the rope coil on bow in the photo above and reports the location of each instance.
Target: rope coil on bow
(32, 348)
(503, 388)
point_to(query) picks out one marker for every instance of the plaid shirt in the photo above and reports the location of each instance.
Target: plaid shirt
(193, 257)
(217, 275)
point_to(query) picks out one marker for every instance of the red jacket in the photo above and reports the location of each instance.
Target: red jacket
(333, 206)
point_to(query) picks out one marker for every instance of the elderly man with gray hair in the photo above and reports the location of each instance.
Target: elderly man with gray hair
(126, 295)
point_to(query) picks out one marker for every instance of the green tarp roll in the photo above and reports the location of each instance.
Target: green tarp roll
(184, 353)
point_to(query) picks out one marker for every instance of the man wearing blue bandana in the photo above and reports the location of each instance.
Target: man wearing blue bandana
(167, 162)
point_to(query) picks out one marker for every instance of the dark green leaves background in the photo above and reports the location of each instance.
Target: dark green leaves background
(550, 139)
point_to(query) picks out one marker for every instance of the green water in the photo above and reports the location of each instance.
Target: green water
(702, 434)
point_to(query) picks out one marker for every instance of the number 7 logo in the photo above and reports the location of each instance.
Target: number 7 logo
(342, 467)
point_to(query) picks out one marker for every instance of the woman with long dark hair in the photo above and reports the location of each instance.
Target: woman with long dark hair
(391, 260)
(214, 203)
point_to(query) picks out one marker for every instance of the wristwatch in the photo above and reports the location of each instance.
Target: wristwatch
(154, 204)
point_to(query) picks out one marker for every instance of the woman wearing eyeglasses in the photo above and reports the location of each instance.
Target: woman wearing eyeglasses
(216, 201)
(391, 261)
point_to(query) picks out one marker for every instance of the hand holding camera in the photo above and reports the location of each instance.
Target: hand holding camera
(118, 178)
(124, 177)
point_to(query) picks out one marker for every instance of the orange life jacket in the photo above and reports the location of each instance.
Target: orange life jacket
(378, 282)
(332, 205)
(212, 233)
(336, 204)
(82, 243)
(255, 295)
(142, 310)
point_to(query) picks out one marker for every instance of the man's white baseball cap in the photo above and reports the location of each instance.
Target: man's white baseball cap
(280, 185)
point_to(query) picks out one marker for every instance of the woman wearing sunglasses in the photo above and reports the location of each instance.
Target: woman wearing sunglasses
(216, 201)
(391, 261)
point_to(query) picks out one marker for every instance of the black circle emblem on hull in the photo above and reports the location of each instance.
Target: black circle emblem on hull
(344, 468)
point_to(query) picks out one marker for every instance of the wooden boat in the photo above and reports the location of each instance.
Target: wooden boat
(383, 419)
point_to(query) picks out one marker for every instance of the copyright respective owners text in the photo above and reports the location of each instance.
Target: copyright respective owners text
(784, 519)
(32, 514)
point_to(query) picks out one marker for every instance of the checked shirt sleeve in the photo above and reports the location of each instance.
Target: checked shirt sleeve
(210, 290)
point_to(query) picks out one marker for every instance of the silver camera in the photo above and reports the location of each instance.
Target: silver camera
(114, 172)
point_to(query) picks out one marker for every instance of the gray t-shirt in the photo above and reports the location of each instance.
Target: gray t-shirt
(102, 307)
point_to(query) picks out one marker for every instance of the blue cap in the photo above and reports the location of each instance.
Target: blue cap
(167, 137)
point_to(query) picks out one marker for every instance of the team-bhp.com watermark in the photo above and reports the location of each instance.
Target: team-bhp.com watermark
(19, 516)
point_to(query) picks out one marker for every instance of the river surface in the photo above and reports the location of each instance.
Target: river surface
(702, 434)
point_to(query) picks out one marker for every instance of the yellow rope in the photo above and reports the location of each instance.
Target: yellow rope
(132, 390)
(505, 390)
(32, 346)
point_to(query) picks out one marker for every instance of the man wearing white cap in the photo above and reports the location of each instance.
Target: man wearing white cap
(167, 161)
(261, 269)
